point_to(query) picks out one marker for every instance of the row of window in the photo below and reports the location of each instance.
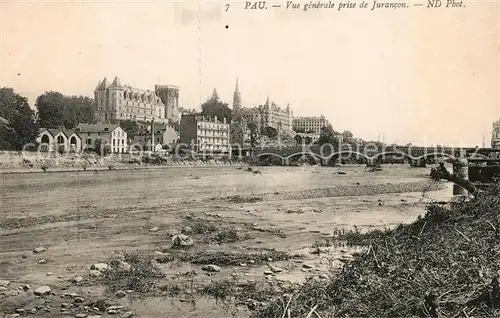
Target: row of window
(140, 97)
(213, 134)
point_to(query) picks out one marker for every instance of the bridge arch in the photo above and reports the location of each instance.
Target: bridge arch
(391, 153)
(269, 154)
(350, 152)
(436, 154)
(304, 153)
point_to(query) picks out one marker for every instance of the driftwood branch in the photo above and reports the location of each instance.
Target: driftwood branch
(466, 184)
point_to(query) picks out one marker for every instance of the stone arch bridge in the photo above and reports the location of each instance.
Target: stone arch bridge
(417, 156)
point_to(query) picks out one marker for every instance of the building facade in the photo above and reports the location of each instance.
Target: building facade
(117, 102)
(205, 134)
(276, 117)
(240, 135)
(495, 135)
(164, 135)
(59, 139)
(310, 124)
(169, 95)
(111, 135)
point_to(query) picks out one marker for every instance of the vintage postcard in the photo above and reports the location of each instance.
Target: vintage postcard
(271, 159)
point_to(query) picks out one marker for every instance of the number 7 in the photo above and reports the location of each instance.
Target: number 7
(227, 6)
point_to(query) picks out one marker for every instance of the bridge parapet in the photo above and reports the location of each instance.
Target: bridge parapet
(371, 151)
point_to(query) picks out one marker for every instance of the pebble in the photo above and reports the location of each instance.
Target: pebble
(99, 266)
(307, 266)
(81, 315)
(268, 272)
(42, 261)
(49, 274)
(42, 290)
(275, 269)
(127, 314)
(154, 229)
(77, 279)
(120, 294)
(78, 300)
(95, 273)
(4, 283)
(39, 250)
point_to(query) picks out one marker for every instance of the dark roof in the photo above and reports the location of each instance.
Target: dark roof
(55, 131)
(90, 128)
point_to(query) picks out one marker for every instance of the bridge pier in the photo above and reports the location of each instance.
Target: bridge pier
(285, 162)
(418, 163)
(461, 170)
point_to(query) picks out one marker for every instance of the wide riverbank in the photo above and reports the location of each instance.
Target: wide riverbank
(244, 223)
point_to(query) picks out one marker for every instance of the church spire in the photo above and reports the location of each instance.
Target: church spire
(215, 95)
(236, 97)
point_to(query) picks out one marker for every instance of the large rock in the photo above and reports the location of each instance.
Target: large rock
(39, 250)
(211, 268)
(4, 283)
(181, 240)
(42, 290)
(99, 267)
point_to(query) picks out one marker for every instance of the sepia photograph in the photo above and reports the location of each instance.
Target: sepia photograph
(264, 159)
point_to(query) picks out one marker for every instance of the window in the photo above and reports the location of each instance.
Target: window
(98, 134)
(88, 134)
(89, 141)
(113, 142)
(106, 129)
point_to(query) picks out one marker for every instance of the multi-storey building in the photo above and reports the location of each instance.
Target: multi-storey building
(121, 102)
(274, 116)
(169, 95)
(310, 124)
(110, 135)
(205, 134)
(495, 136)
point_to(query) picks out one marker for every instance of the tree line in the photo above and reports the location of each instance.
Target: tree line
(52, 110)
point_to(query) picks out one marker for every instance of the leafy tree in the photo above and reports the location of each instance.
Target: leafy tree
(299, 130)
(56, 109)
(253, 133)
(131, 127)
(215, 107)
(311, 131)
(100, 148)
(347, 135)
(328, 136)
(269, 132)
(22, 128)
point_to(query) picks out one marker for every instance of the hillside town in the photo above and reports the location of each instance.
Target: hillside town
(121, 118)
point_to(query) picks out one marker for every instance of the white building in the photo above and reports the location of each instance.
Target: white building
(205, 134)
(111, 135)
(310, 124)
(121, 102)
(59, 139)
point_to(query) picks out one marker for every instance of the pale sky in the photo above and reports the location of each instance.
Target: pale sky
(426, 76)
